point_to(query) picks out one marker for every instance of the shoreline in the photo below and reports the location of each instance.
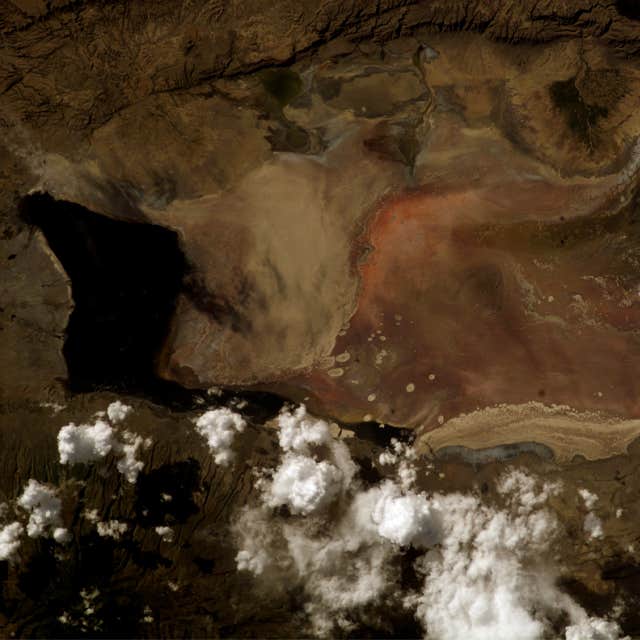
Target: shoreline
(562, 430)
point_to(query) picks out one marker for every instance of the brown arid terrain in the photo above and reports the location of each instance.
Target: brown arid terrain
(421, 219)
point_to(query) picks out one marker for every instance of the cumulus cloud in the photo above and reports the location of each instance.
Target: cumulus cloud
(524, 492)
(43, 505)
(219, 428)
(478, 583)
(406, 519)
(300, 432)
(128, 464)
(304, 484)
(588, 498)
(592, 524)
(403, 457)
(253, 560)
(61, 535)
(10, 541)
(340, 571)
(118, 411)
(111, 529)
(486, 570)
(491, 576)
(166, 533)
(91, 515)
(85, 614)
(84, 443)
(594, 629)
(88, 443)
(314, 470)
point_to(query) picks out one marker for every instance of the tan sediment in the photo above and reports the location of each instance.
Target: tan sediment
(564, 430)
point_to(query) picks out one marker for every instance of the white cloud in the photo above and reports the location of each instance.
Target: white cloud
(128, 449)
(589, 498)
(299, 431)
(405, 519)
(253, 562)
(488, 572)
(85, 443)
(10, 540)
(166, 533)
(111, 529)
(594, 629)
(342, 568)
(91, 515)
(593, 526)
(43, 506)
(61, 535)
(525, 492)
(219, 428)
(303, 484)
(478, 584)
(302, 481)
(86, 613)
(89, 443)
(492, 577)
(404, 456)
(118, 411)
(387, 458)
(407, 474)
